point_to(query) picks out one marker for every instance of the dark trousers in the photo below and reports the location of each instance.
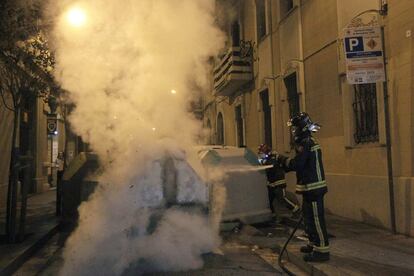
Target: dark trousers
(279, 193)
(315, 226)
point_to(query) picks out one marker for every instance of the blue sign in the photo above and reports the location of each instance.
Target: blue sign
(364, 54)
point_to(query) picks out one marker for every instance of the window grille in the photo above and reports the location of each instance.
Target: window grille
(365, 113)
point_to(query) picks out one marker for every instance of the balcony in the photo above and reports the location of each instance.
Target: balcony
(233, 72)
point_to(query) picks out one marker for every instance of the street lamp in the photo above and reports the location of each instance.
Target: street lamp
(76, 17)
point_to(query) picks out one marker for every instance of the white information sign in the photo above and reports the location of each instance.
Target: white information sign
(364, 55)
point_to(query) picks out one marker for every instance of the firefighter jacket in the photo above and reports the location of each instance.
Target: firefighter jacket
(276, 174)
(308, 166)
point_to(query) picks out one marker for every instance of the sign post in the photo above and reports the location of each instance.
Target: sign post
(51, 128)
(388, 141)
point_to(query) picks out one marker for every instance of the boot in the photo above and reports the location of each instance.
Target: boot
(317, 257)
(306, 249)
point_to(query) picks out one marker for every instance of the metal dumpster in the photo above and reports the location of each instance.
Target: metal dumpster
(175, 184)
(78, 183)
(244, 180)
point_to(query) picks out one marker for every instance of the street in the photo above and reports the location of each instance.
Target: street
(233, 258)
(194, 137)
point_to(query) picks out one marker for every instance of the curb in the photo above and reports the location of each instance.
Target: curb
(296, 259)
(15, 264)
(292, 255)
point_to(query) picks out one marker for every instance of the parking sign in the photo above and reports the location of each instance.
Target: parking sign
(364, 55)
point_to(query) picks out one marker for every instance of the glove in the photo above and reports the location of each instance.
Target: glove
(281, 159)
(262, 158)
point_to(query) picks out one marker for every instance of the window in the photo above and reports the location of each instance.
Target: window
(365, 113)
(267, 117)
(235, 34)
(220, 129)
(285, 7)
(260, 19)
(208, 125)
(239, 126)
(292, 94)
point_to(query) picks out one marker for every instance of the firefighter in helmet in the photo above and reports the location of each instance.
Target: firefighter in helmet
(307, 163)
(276, 182)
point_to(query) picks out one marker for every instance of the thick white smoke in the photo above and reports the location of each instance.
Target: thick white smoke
(131, 68)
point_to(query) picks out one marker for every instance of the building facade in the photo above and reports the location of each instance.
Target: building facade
(286, 56)
(36, 146)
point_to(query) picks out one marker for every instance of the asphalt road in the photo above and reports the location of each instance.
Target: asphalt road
(235, 258)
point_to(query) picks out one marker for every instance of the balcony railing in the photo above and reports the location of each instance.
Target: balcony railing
(233, 71)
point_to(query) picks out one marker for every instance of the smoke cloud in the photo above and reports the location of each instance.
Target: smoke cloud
(131, 68)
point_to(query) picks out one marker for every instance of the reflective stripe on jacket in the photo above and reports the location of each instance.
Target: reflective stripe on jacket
(276, 174)
(308, 166)
(277, 183)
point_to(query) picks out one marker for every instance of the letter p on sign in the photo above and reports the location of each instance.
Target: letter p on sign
(354, 44)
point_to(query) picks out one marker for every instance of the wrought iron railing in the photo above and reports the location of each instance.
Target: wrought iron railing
(233, 69)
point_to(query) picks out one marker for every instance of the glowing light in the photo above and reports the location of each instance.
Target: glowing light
(173, 91)
(76, 17)
(153, 129)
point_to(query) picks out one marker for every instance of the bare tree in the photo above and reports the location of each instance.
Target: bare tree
(26, 64)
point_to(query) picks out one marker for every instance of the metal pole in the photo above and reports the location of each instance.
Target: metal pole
(51, 160)
(388, 140)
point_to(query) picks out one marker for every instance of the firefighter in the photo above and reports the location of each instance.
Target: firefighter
(276, 182)
(307, 163)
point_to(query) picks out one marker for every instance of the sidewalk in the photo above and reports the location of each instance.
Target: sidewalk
(41, 224)
(356, 249)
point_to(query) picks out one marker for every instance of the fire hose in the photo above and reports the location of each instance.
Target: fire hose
(279, 260)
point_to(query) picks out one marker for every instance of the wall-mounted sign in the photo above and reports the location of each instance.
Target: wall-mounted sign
(364, 55)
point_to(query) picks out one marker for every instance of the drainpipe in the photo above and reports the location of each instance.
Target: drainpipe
(271, 37)
(383, 12)
(301, 78)
(272, 64)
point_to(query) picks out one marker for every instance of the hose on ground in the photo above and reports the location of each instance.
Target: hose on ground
(279, 260)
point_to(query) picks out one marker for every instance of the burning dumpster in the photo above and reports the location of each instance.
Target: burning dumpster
(173, 183)
(78, 183)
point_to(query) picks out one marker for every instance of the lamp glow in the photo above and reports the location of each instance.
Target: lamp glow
(76, 17)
